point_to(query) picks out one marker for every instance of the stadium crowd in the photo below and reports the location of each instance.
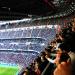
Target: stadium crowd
(17, 43)
(26, 32)
(58, 58)
(18, 57)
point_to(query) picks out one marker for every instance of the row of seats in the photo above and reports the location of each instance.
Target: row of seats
(22, 59)
(36, 47)
(26, 40)
(44, 33)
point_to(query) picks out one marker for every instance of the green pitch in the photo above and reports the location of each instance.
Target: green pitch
(8, 70)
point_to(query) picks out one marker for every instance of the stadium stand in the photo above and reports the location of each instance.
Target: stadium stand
(17, 43)
(42, 39)
(58, 58)
(45, 48)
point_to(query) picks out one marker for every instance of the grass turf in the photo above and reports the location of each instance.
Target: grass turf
(8, 70)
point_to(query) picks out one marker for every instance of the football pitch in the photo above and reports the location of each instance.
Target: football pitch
(8, 70)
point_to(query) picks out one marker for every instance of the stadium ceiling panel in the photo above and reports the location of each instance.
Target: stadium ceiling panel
(26, 8)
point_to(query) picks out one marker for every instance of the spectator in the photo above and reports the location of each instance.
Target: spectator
(63, 65)
(63, 69)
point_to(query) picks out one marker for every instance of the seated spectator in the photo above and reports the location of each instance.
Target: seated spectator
(44, 61)
(63, 65)
(37, 67)
(26, 72)
(59, 38)
(29, 71)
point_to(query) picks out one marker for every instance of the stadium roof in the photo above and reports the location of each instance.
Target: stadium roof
(17, 9)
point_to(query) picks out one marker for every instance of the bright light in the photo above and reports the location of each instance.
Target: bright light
(14, 43)
(42, 44)
(28, 43)
(1, 44)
